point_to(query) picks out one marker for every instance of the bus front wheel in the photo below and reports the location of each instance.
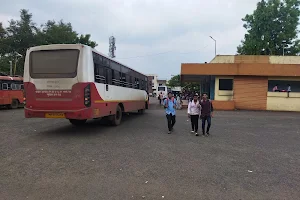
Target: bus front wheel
(117, 118)
(77, 122)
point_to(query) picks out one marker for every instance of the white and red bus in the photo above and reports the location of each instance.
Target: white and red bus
(11, 91)
(76, 82)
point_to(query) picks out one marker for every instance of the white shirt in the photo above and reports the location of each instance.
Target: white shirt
(194, 108)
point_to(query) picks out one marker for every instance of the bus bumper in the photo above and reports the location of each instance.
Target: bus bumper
(85, 113)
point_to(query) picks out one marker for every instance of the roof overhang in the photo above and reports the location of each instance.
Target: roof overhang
(239, 69)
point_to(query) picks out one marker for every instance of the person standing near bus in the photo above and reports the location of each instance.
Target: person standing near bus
(170, 106)
(206, 113)
(160, 97)
(193, 113)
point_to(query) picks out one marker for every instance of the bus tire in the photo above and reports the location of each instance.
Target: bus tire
(117, 118)
(77, 122)
(14, 104)
(141, 111)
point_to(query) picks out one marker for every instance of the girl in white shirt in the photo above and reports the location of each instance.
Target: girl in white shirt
(194, 109)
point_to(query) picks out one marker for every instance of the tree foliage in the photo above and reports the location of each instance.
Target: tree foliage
(272, 27)
(175, 81)
(24, 33)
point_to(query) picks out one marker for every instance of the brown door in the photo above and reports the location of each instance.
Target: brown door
(250, 92)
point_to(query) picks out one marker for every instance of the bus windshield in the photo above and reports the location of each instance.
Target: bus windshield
(61, 63)
(162, 88)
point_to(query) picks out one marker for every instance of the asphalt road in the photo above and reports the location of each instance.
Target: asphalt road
(250, 155)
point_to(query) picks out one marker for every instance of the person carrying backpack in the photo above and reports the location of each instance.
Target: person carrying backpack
(206, 113)
(170, 106)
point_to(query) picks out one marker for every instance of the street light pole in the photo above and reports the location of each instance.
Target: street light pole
(18, 56)
(283, 45)
(215, 44)
(10, 65)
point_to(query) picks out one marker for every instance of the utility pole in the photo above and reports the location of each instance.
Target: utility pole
(112, 46)
(215, 44)
(283, 46)
(10, 65)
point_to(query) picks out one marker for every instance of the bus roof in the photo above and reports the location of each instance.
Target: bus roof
(64, 46)
(11, 78)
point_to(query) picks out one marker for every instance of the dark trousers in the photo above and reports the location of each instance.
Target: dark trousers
(195, 122)
(204, 119)
(171, 121)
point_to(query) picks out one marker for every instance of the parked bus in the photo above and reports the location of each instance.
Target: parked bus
(164, 90)
(76, 82)
(11, 91)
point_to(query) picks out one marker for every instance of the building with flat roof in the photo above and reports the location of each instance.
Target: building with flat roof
(162, 82)
(247, 82)
(153, 84)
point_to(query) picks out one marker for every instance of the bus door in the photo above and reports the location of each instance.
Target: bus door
(108, 82)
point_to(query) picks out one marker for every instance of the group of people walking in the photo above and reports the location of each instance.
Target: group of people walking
(197, 108)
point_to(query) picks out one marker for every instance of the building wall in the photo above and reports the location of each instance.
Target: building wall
(150, 81)
(279, 101)
(256, 59)
(162, 82)
(251, 85)
(212, 88)
(154, 83)
(222, 95)
(250, 92)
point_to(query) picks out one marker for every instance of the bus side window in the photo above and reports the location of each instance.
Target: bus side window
(123, 80)
(130, 82)
(4, 86)
(116, 79)
(108, 76)
(22, 87)
(137, 83)
(98, 68)
(112, 77)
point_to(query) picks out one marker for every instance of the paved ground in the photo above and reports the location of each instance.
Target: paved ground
(250, 155)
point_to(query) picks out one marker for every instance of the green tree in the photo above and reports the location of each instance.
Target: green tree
(62, 33)
(272, 27)
(175, 81)
(23, 34)
(85, 39)
(57, 33)
(19, 35)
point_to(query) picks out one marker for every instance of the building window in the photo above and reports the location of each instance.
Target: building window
(226, 84)
(282, 85)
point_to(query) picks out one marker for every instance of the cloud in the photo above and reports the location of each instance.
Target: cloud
(170, 32)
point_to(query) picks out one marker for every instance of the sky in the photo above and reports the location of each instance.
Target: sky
(152, 36)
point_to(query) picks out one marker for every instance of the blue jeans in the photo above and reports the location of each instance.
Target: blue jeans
(204, 119)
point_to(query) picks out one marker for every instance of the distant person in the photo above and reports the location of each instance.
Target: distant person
(160, 98)
(206, 113)
(275, 88)
(289, 89)
(170, 106)
(194, 108)
(178, 102)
